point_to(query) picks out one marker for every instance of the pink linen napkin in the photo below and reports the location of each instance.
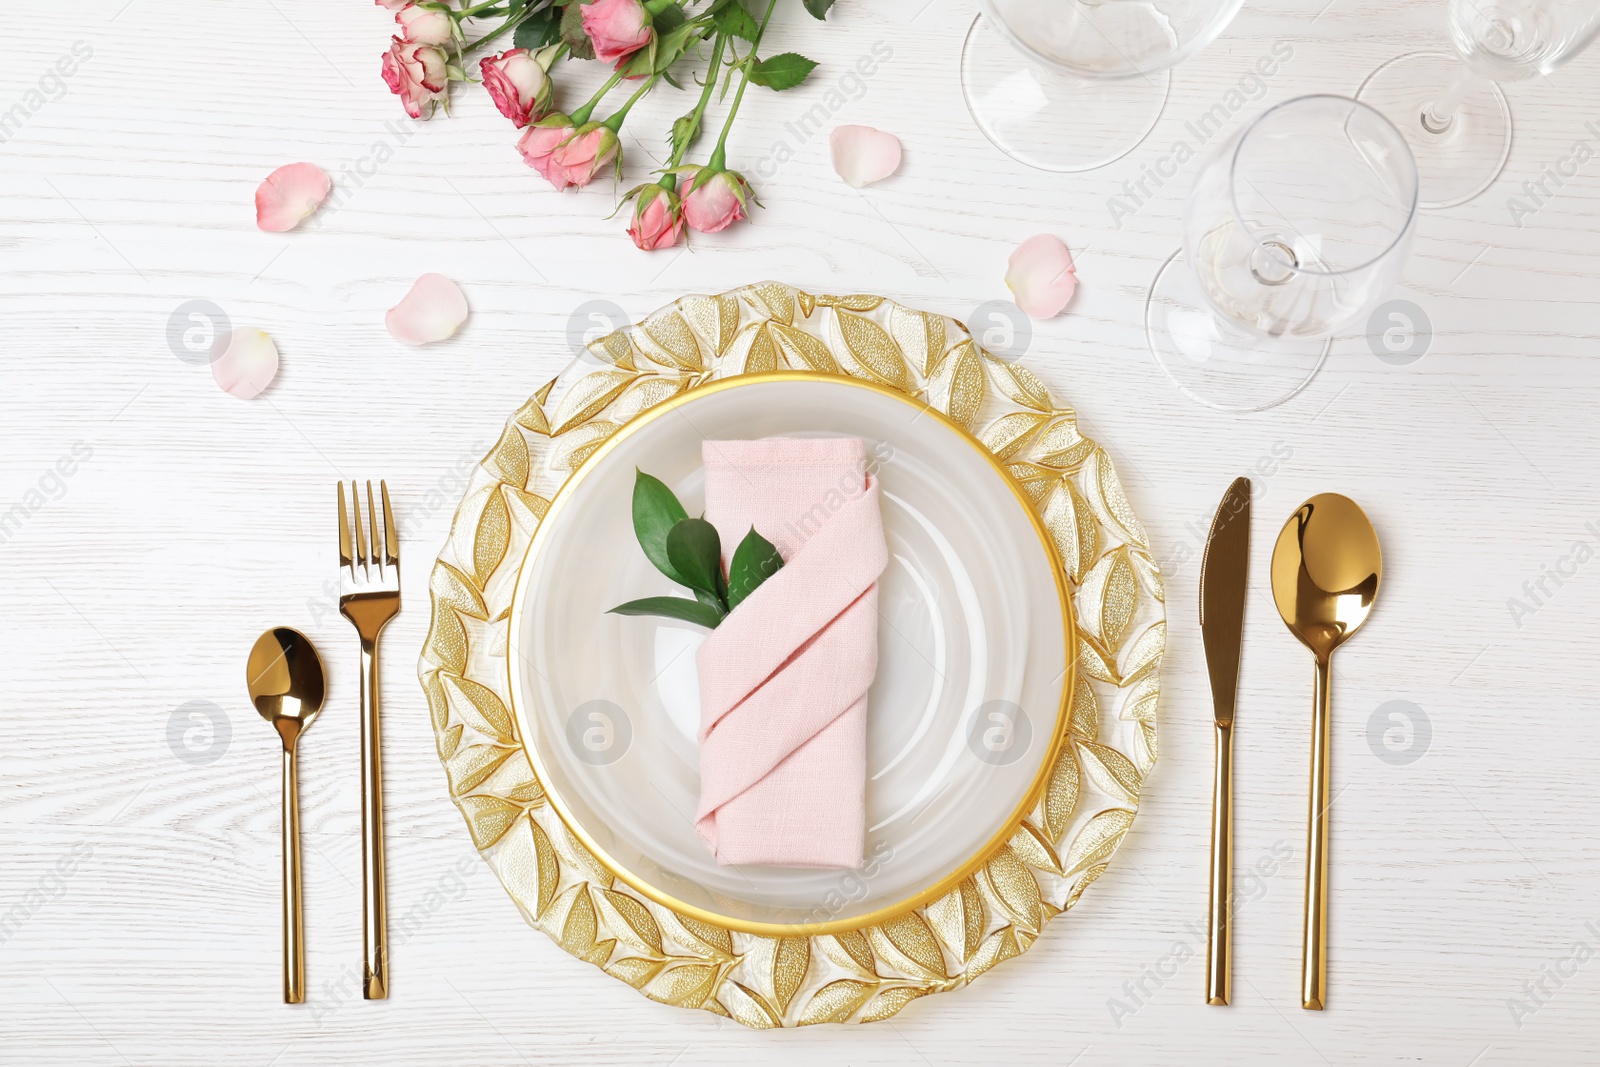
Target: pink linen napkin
(784, 679)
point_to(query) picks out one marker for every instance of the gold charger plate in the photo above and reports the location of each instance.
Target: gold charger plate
(857, 975)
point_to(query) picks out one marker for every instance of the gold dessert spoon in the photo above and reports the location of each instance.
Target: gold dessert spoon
(286, 685)
(1325, 574)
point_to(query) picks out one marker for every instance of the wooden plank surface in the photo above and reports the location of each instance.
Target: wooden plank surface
(144, 886)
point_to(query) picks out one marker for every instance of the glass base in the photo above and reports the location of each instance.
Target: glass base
(1215, 363)
(1460, 161)
(1051, 120)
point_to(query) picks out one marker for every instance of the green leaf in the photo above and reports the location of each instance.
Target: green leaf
(782, 71)
(538, 30)
(754, 561)
(734, 19)
(668, 18)
(818, 8)
(695, 552)
(672, 607)
(656, 511)
(665, 50)
(578, 44)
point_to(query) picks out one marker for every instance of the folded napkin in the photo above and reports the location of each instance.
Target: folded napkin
(784, 679)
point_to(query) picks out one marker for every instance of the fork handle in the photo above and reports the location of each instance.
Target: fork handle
(374, 907)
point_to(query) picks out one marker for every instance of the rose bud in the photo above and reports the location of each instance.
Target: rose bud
(717, 202)
(617, 28)
(539, 143)
(518, 85)
(590, 148)
(657, 218)
(420, 25)
(417, 73)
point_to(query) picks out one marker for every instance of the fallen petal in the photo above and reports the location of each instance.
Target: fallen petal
(247, 364)
(433, 310)
(863, 155)
(291, 194)
(1040, 276)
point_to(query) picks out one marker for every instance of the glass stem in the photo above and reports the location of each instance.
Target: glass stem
(1437, 116)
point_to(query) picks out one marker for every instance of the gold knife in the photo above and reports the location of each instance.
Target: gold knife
(1224, 570)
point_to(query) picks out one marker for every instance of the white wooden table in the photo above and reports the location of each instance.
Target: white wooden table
(139, 890)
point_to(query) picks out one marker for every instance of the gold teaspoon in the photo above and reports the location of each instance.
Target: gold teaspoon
(285, 679)
(1325, 574)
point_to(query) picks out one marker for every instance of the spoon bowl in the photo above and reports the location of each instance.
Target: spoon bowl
(285, 679)
(1326, 568)
(286, 684)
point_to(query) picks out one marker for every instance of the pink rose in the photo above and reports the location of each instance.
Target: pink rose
(417, 73)
(583, 154)
(393, 5)
(657, 219)
(717, 203)
(539, 143)
(518, 85)
(420, 25)
(618, 28)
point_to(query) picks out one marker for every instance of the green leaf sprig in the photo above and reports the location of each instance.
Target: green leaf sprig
(689, 551)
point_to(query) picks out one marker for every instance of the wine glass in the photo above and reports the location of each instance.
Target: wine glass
(1070, 85)
(1449, 107)
(1297, 225)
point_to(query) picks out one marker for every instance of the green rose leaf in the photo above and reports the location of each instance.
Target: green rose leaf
(695, 552)
(782, 71)
(578, 43)
(656, 511)
(538, 30)
(734, 19)
(754, 561)
(818, 8)
(672, 607)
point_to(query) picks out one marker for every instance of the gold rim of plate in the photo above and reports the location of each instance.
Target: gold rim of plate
(868, 969)
(968, 867)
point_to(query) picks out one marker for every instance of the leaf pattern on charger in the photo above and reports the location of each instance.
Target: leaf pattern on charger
(1018, 384)
(871, 349)
(588, 397)
(509, 457)
(854, 975)
(919, 335)
(667, 339)
(1108, 598)
(957, 385)
(1072, 527)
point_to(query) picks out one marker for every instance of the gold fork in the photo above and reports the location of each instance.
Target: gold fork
(369, 596)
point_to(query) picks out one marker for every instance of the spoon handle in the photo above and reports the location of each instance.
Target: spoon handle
(1314, 958)
(294, 935)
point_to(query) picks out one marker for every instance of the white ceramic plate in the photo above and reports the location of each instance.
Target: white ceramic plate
(965, 715)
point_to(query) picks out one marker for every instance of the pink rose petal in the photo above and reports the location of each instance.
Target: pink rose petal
(1040, 276)
(291, 194)
(863, 155)
(247, 364)
(433, 310)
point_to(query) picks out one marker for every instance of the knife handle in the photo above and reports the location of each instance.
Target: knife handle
(1219, 970)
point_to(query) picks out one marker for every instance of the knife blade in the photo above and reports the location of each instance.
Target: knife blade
(1224, 570)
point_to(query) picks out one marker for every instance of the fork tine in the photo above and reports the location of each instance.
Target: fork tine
(375, 534)
(361, 529)
(344, 532)
(391, 543)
